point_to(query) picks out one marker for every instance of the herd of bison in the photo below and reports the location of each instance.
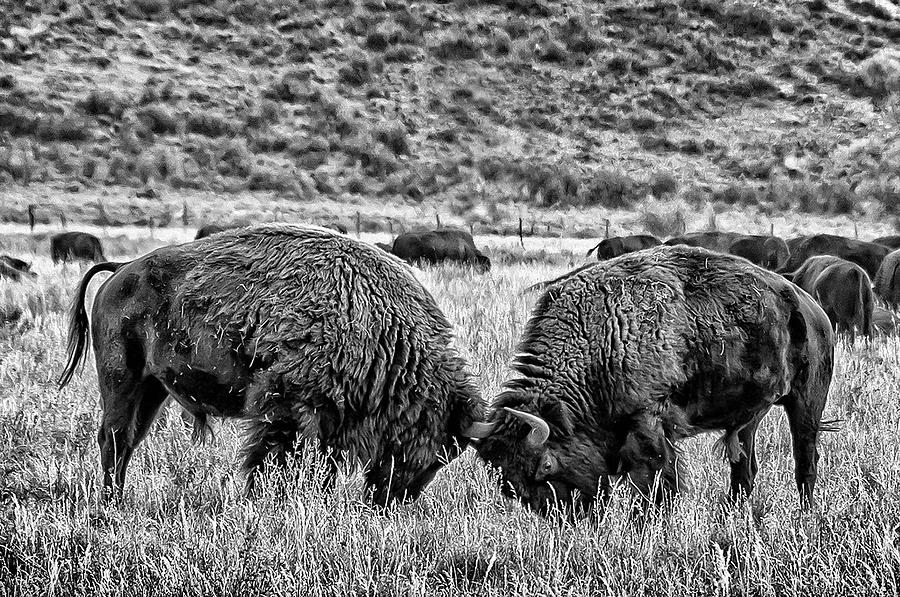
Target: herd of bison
(311, 336)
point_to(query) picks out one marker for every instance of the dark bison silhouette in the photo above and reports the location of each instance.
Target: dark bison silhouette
(15, 269)
(842, 288)
(609, 248)
(79, 246)
(304, 333)
(892, 241)
(211, 229)
(440, 246)
(770, 252)
(866, 255)
(622, 359)
(887, 280)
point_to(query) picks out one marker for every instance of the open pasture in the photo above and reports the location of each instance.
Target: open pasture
(183, 526)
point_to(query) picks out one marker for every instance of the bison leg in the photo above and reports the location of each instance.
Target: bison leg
(129, 409)
(264, 438)
(804, 417)
(744, 465)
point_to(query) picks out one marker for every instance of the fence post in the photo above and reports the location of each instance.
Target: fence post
(152, 225)
(185, 217)
(62, 219)
(471, 229)
(521, 240)
(437, 219)
(391, 227)
(358, 224)
(606, 234)
(771, 229)
(855, 231)
(31, 217)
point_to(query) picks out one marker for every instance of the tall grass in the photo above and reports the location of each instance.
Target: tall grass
(183, 527)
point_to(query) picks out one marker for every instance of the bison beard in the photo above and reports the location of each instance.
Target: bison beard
(305, 334)
(622, 359)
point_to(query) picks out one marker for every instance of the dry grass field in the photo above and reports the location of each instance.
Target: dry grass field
(183, 527)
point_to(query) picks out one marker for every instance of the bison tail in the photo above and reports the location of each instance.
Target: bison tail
(592, 249)
(79, 338)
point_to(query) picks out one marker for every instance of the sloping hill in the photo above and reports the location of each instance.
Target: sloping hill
(784, 104)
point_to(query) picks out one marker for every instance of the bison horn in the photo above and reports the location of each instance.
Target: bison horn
(479, 430)
(540, 431)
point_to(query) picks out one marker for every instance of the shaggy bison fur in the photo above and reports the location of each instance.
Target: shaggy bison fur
(303, 333)
(622, 359)
(770, 252)
(866, 255)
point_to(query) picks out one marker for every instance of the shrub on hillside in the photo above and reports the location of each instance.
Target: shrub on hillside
(211, 124)
(612, 190)
(663, 224)
(456, 44)
(358, 70)
(159, 119)
(103, 102)
(881, 73)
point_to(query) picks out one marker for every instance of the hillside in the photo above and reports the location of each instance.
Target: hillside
(467, 104)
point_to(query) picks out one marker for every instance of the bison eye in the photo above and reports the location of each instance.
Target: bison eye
(546, 467)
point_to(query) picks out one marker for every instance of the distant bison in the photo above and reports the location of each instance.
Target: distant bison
(79, 246)
(440, 246)
(211, 229)
(884, 321)
(866, 255)
(842, 288)
(15, 269)
(844, 291)
(765, 251)
(887, 280)
(620, 245)
(892, 241)
(304, 333)
(622, 359)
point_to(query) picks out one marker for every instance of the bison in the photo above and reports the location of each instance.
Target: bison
(887, 280)
(79, 246)
(14, 269)
(891, 241)
(622, 359)
(210, 229)
(303, 333)
(806, 274)
(866, 255)
(439, 246)
(844, 291)
(770, 252)
(620, 245)
(884, 321)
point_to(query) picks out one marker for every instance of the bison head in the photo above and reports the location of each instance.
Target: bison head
(544, 462)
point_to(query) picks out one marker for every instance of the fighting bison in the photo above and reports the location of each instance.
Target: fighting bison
(14, 269)
(304, 333)
(770, 252)
(866, 255)
(620, 245)
(622, 359)
(892, 241)
(211, 229)
(439, 246)
(79, 246)
(887, 280)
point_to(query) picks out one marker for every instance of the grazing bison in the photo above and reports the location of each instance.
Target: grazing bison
(866, 255)
(14, 269)
(304, 333)
(211, 229)
(620, 245)
(79, 246)
(884, 321)
(770, 252)
(439, 246)
(806, 274)
(887, 280)
(844, 291)
(892, 241)
(622, 359)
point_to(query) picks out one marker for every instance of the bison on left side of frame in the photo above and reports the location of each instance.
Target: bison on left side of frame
(622, 359)
(303, 333)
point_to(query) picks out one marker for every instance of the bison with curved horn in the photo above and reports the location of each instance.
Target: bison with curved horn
(303, 333)
(620, 360)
